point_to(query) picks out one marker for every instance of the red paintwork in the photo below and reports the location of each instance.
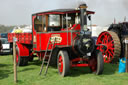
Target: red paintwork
(24, 38)
(106, 39)
(60, 64)
(23, 50)
(79, 65)
(42, 40)
(72, 64)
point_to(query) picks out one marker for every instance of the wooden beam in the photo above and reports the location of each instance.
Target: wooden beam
(14, 61)
(126, 52)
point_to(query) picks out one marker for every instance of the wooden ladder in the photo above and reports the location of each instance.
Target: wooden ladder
(47, 55)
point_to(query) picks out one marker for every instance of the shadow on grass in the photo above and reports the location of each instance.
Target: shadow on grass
(35, 62)
(20, 82)
(5, 70)
(110, 68)
(3, 65)
(39, 63)
(4, 73)
(77, 71)
(26, 69)
(5, 54)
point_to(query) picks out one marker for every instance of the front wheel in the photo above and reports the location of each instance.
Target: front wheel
(97, 63)
(63, 63)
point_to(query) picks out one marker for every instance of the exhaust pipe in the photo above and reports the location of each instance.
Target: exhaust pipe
(83, 17)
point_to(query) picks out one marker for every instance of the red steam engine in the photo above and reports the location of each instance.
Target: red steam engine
(63, 36)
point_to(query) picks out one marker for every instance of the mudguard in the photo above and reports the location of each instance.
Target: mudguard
(23, 50)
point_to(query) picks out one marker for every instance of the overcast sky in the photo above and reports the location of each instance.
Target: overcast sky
(18, 12)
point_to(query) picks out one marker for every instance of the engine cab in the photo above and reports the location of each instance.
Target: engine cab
(62, 23)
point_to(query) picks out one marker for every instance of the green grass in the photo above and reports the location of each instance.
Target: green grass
(29, 75)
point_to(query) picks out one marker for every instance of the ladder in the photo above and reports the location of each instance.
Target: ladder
(47, 55)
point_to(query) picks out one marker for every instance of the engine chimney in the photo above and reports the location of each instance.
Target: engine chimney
(83, 17)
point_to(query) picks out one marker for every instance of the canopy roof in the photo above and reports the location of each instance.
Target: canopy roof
(62, 11)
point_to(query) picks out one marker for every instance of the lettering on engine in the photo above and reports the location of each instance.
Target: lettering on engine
(58, 38)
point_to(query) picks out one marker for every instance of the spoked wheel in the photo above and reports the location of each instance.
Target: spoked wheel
(21, 61)
(112, 43)
(96, 63)
(63, 63)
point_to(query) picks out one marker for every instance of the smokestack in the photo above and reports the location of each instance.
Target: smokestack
(83, 16)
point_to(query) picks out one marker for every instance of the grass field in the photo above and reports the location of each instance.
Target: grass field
(29, 75)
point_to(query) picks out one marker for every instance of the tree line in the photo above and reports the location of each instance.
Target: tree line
(7, 29)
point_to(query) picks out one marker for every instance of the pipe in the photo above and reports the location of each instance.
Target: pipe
(83, 17)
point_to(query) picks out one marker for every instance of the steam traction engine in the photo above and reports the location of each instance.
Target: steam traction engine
(61, 34)
(113, 39)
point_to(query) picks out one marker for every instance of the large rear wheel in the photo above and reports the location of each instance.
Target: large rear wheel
(63, 63)
(112, 43)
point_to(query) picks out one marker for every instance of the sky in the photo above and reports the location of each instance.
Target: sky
(18, 12)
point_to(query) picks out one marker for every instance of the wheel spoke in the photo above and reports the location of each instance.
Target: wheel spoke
(107, 39)
(111, 41)
(110, 52)
(99, 41)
